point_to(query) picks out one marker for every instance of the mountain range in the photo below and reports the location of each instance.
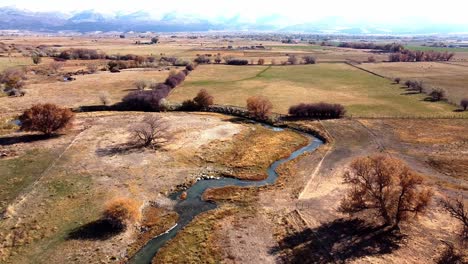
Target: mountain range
(90, 21)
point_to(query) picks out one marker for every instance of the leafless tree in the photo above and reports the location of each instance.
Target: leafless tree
(259, 106)
(153, 132)
(385, 185)
(293, 60)
(464, 104)
(55, 66)
(92, 67)
(456, 208)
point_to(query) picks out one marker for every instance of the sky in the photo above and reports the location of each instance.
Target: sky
(292, 11)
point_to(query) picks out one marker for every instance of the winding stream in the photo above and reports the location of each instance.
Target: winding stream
(193, 205)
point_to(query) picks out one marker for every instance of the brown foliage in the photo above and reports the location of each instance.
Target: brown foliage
(259, 106)
(385, 185)
(261, 61)
(152, 132)
(203, 99)
(46, 118)
(456, 208)
(122, 211)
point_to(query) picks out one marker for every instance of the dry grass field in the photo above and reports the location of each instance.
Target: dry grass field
(84, 91)
(363, 94)
(77, 173)
(452, 77)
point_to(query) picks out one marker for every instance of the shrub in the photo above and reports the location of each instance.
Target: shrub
(318, 110)
(81, 54)
(152, 132)
(203, 99)
(397, 80)
(408, 83)
(142, 100)
(190, 67)
(309, 59)
(13, 78)
(121, 211)
(161, 88)
(385, 185)
(238, 62)
(189, 105)
(141, 84)
(104, 98)
(259, 107)
(154, 40)
(92, 67)
(202, 59)
(464, 103)
(36, 58)
(46, 118)
(174, 80)
(437, 95)
(371, 59)
(261, 61)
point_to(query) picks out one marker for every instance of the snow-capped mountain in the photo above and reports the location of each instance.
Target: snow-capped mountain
(143, 21)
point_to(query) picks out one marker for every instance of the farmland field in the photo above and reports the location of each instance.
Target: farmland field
(363, 94)
(451, 77)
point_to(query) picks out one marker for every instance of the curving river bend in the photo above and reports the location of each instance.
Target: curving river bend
(193, 205)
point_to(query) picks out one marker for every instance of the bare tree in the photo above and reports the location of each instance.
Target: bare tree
(456, 208)
(152, 132)
(104, 97)
(293, 60)
(259, 106)
(385, 185)
(464, 104)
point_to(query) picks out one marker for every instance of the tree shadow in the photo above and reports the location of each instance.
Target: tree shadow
(459, 110)
(97, 230)
(410, 93)
(11, 140)
(122, 149)
(338, 241)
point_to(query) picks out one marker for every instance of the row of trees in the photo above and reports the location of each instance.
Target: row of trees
(317, 110)
(418, 55)
(149, 100)
(230, 60)
(394, 47)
